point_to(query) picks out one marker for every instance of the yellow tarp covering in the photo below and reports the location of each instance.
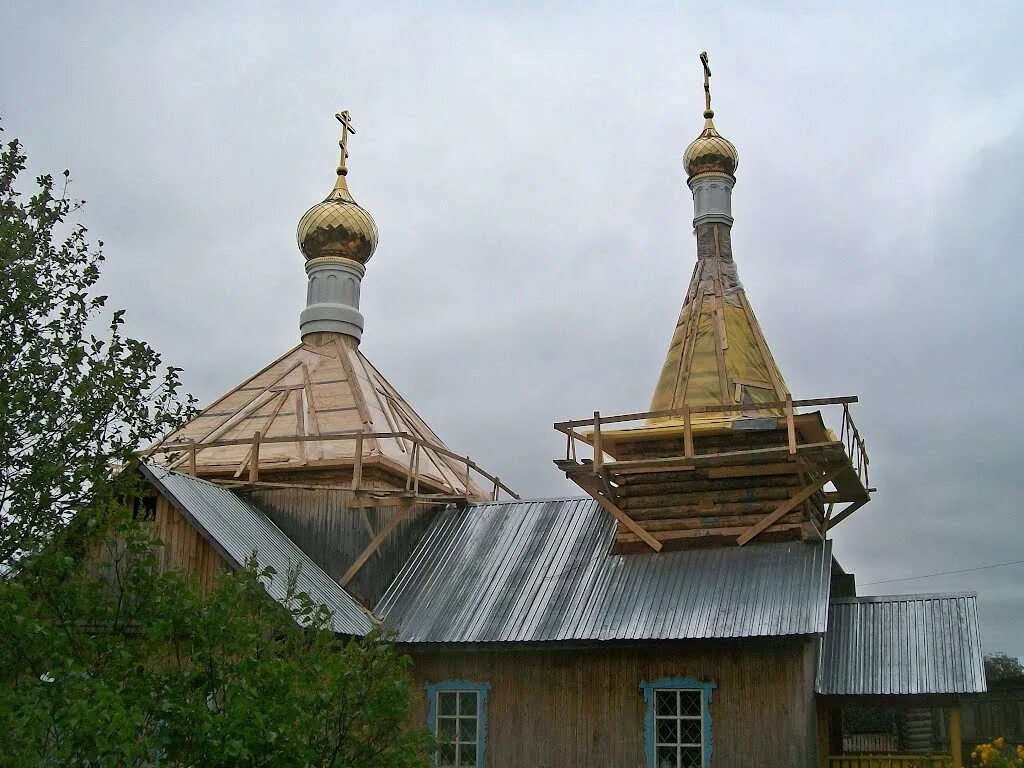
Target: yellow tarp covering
(744, 372)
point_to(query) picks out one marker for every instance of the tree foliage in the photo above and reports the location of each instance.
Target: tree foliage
(105, 658)
(74, 404)
(1000, 667)
(143, 668)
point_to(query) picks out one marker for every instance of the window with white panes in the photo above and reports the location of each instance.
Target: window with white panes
(678, 723)
(678, 728)
(457, 719)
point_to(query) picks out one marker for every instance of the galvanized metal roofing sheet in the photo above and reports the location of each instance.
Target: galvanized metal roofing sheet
(902, 644)
(536, 571)
(238, 528)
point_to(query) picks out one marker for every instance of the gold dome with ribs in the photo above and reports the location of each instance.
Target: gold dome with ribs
(338, 227)
(710, 152)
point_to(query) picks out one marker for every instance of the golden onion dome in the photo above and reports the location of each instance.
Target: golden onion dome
(710, 152)
(337, 227)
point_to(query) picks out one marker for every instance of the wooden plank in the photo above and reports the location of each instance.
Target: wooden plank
(357, 389)
(955, 738)
(254, 462)
(718, 325)
(729, 509)
(266, 429)
(757, 470)
(561, 426)
(689, 340)
(739, 522)
(795, 501)
(766, 354)
(636, 503)
(845, 513)
(375, 543)
(191, 457)
(357, 467)
(369, 528)
(687, 433)
(596, 438)
(314, 421)
(627, 521)
(790, 426)
(300, 426)
(702, 533)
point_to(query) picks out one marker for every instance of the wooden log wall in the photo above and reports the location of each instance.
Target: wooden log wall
(714, 505)
(584, 707)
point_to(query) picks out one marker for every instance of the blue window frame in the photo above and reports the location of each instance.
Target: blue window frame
(677, 725)
(457, 716)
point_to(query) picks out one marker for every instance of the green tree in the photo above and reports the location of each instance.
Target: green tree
(999, 667)
(73, 405)
(144, 668)
(105, 660)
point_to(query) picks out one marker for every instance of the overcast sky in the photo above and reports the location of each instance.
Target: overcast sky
(523, 167)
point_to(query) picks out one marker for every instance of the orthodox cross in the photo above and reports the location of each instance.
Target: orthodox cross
(345, 119)
(707, 82)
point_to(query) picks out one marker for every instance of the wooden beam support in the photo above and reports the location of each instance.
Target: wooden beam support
(357, 467)
(794, 502)
(192, 457)
(834, 521)
(254, 458)
(375, 543)
(598, 453)
(629, 522)
(790, 426)
(955, 738)
(687, 433)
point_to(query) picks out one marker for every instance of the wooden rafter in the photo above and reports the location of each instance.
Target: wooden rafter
(782, 509)
(628, 521)
(375, 542)
(266, 430)
(845, 513)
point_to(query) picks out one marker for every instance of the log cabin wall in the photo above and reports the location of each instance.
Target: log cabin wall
(333, 534)
(565, 708)
(184, 548)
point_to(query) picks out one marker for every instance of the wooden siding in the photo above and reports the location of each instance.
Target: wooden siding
(1000, 712)
(334, 534)
(184, 548)
(565, 708)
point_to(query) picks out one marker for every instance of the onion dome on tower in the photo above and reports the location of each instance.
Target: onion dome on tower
(710, 152)
(337, 236)
(718, 354)
(338, 226)
(322, 416)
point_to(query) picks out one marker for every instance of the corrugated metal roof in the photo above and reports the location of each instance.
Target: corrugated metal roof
(902, 644)
(541, 571)
(239, 528)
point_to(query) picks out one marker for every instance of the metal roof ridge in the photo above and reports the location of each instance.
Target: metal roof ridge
(539, 500)
(904, 598)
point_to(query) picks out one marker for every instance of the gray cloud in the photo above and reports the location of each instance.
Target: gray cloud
(523, 168)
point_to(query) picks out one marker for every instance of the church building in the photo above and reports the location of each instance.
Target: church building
(683, 610)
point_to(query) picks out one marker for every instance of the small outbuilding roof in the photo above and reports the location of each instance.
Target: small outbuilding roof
(541, 571)
(902, 644)
(237, 528)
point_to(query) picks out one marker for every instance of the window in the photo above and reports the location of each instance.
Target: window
(457, 718)
(677, 727)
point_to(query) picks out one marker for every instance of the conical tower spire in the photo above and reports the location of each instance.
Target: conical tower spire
(337, 237)
(718, 353)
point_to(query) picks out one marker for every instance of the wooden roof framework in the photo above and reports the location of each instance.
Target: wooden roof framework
(675, 483)
(322, 416)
